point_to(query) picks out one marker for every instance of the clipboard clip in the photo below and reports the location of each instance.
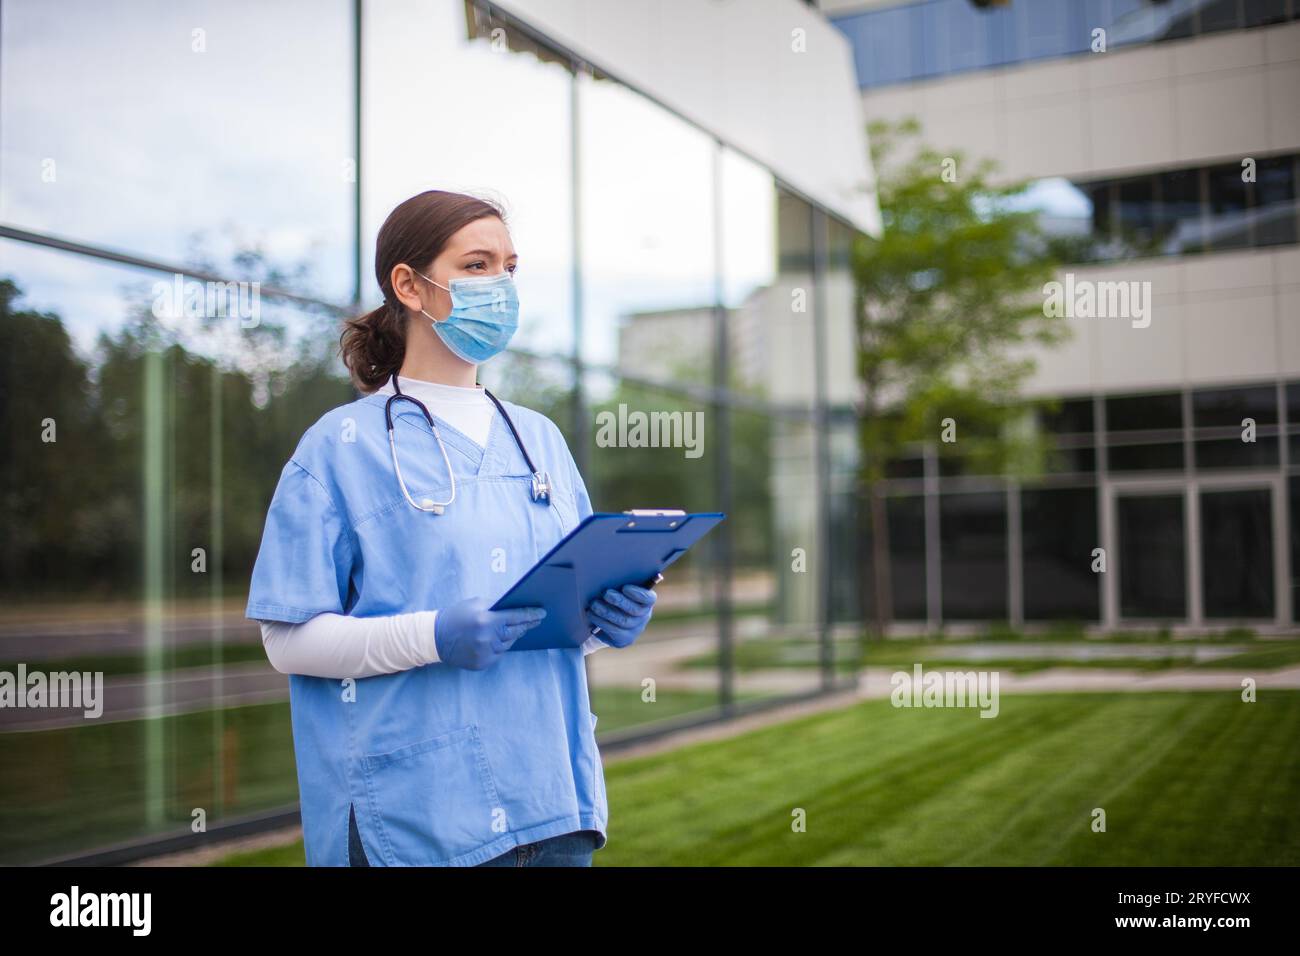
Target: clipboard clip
(655, 513)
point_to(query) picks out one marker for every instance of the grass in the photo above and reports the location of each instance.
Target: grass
(1184, 778)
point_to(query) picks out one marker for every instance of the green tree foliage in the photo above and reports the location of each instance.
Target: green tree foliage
(948, 303)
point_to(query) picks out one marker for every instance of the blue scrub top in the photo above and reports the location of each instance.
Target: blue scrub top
(444, 766)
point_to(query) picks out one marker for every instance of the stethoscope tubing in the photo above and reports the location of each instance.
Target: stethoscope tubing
(541, 483)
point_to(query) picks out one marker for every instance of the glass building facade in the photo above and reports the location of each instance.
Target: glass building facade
(935, 38)
(1247, 204)
(188, 207)
(1169, 508)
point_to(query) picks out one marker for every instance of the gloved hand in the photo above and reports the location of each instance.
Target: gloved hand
(622, 614)
(471, 635)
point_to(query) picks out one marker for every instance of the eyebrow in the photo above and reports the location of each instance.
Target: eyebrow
(488, 252)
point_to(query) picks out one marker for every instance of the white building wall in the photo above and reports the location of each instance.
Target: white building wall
(1164, 104)
(1218, 318)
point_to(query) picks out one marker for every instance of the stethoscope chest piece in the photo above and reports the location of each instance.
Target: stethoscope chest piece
(541, 486)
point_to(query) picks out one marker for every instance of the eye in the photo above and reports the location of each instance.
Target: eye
(512, 267)
(477, 265)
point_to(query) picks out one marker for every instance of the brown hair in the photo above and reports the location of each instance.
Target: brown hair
(373, 345)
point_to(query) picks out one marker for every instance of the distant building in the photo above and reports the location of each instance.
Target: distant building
(1171, 158)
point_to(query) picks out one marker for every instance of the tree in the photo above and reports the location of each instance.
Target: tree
(947, 300)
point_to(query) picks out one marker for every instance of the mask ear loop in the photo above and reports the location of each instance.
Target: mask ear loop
(433, 319)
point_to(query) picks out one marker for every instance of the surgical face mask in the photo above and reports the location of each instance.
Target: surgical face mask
(484, 316)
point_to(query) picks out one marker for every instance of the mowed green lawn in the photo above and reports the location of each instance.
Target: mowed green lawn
(1185, 778)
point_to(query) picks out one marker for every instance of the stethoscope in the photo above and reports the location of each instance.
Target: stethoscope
(541, 490)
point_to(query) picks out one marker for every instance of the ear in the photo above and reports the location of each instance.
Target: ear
(405, 285)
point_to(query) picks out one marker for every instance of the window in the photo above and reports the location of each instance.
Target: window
(1173, 212)
(1152, 556)
(1237, 553)
(1222, 440)
(1058, 534)
(973, 555)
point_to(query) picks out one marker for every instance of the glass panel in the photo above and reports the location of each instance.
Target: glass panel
(647, 252)
(1261, 12)
(495, 99)
(973, 550)
(1220, 15)
(1144, 412)
(1167, 456)
(1179, 20)
(1227, 407)
(1074, 217)
(179, 426)
(184, 132)
(850, 542)
(905, 518)
(1293, 498)
(1152, 556)
(768, 289)
(1276, 212)
(1224, 410)
(963, 34)
(1229, 226)
(840, 344)
(1071, 425)
(1058, 535)
(1293, 425)
(1181, 228)
(1045, 28)
(626, 471)
(787, 337)
(1237, 553)
(886, 38)
(1158, 414)
(1235, 453)
(775, 590)
(1138, 220)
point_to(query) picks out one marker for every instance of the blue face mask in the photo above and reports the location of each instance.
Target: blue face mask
(484, 316)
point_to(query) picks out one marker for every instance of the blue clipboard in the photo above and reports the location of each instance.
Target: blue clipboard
(604, 551)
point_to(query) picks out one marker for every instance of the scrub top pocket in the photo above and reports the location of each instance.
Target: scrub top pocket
(432, 801)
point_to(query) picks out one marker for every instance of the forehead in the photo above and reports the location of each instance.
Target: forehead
(488, 232)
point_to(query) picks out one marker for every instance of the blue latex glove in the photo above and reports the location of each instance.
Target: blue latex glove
(622, 615)
(471, 635)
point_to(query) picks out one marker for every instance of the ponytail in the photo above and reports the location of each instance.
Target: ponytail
(373, 345)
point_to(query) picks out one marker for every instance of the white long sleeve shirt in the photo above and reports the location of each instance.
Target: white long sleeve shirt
(338, 645)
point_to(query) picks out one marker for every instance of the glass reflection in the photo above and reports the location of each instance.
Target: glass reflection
(648, 257)
(774, 587)
(156, 133)
(679, 648)
(448, 105)
(127, 543)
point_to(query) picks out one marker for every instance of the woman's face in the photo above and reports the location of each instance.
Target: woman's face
(479, 248)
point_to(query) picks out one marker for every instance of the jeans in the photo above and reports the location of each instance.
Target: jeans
(567, 849)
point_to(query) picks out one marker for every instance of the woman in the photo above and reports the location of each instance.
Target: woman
(420, 738)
